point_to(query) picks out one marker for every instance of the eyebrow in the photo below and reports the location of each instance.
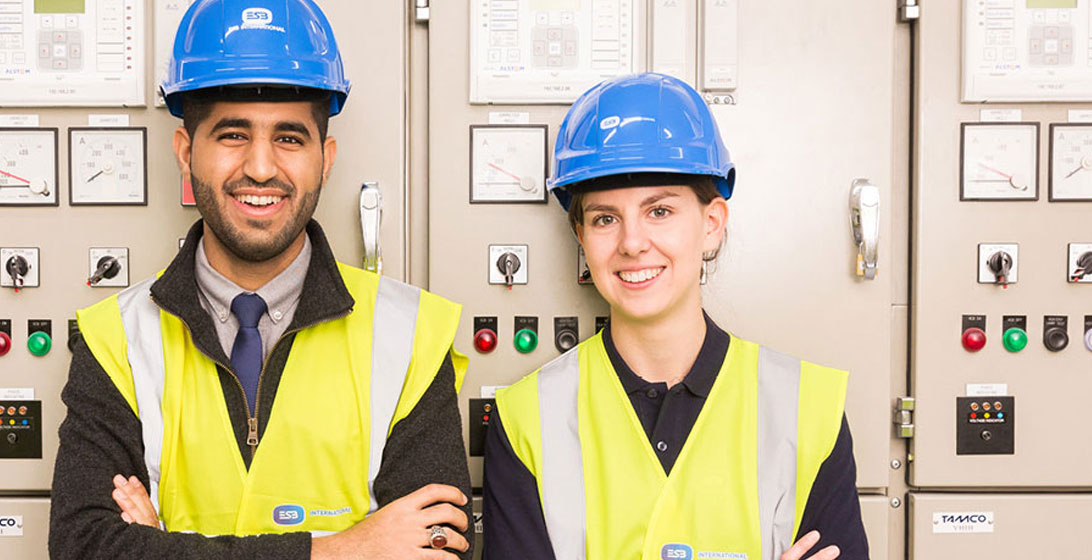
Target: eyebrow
(283, 126)
(653, 199)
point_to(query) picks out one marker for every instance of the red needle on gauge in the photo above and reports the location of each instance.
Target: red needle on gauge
(506, 172)
(1005, 175)
(2, 172)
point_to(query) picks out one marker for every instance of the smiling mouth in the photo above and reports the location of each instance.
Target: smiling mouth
(258, 201)
(638, 276)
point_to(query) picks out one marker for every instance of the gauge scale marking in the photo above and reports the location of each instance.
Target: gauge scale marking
(508, 163)
(999, 161)
(28, 167)
(1070, 162)
(108, 166)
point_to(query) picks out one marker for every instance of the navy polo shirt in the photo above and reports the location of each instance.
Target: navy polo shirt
(512, 513)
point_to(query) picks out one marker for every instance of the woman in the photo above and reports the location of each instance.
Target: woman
(663, 437)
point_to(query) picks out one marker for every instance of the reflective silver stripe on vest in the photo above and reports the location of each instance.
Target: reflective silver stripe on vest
(778, 400)
(562, 464)
(140, 316)
(392, 349)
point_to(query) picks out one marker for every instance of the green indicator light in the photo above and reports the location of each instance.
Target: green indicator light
(526, 341)
(1015, 339)
(39, 343)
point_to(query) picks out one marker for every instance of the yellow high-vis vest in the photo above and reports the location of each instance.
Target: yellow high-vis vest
(345, 385)
(740, 483)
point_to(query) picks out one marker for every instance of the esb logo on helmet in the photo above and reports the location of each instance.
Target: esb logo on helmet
(257, 17)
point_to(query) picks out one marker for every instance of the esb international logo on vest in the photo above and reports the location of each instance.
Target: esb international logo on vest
(679, 551)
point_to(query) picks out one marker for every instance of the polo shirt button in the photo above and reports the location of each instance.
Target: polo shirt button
(277, 315)
(653, 393)
(661, 445)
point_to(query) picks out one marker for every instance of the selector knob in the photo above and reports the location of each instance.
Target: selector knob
(1084, 266)
(974, 339)
(1000, 264)
(1055, 339)
(485, 340)
(17, 267)
(107, 267)
(508, 264)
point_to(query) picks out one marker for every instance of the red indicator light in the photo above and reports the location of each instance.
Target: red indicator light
(974, 415)
(974, 339)
(485, 418)
(485, 340)
(5, 343)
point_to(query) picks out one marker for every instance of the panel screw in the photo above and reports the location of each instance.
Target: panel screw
(896, 464)
(895, 502)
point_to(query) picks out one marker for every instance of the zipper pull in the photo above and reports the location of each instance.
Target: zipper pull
(252, 432)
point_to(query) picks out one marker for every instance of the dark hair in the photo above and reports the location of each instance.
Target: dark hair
(703, 185)
(197, 105)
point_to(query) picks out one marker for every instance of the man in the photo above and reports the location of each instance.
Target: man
(257, 388)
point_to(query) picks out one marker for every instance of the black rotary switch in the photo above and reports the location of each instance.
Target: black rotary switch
(107, 267)
(1000, 264)
(1084, 266)
(17, 268)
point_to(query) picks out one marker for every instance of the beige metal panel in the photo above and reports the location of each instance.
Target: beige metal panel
(371, 141)
(34, 540)
(876, 513)
(1024, 526)
(1048, 387)
(815, 111)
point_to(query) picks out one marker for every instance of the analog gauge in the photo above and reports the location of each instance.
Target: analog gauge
(28, 166)
(107, 166)
(1071, 162)
(508, 163)
(1000, 161)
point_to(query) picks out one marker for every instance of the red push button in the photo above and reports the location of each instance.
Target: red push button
(974, 339)
(5, 343)
(485, 341)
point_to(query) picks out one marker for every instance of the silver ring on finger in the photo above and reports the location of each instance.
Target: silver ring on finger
(437, 537)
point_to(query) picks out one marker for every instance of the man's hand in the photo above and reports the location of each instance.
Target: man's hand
(805, 543)
(136, 506)
(400, 530)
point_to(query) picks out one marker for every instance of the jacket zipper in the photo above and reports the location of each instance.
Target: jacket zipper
(251, 420)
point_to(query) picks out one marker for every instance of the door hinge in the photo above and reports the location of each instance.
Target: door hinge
(904, 417)
(909, 10)
(421, 11)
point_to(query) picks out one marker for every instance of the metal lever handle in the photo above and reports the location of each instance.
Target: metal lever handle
(864, 208)
(371, 216)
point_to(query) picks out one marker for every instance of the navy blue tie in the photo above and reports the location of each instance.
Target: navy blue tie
(246, 353)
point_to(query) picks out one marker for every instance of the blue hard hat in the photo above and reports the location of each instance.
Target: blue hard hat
(254, 42)
(642, 123)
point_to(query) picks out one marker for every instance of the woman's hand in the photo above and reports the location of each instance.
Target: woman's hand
(805, 543)
(132, 498)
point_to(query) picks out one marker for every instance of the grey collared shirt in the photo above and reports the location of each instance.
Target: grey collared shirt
(281, 295)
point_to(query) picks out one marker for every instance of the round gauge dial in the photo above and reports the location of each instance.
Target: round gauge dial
(1071, 162)
(1000, 161)
(28, 166)
(508, 163)
(108, 166)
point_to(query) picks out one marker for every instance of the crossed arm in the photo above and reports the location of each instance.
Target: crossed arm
(423, 480)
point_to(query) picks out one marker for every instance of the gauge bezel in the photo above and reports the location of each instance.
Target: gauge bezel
(55, 198)
(476, 129)
(72, 156)
(1050, 162)
(963, 197)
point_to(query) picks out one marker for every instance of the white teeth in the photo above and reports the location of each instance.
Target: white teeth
(640, 275)
(255, 200)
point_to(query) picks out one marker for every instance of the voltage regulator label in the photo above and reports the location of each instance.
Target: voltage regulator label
(963, 522)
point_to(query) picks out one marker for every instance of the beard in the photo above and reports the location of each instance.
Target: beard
(237, 242)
